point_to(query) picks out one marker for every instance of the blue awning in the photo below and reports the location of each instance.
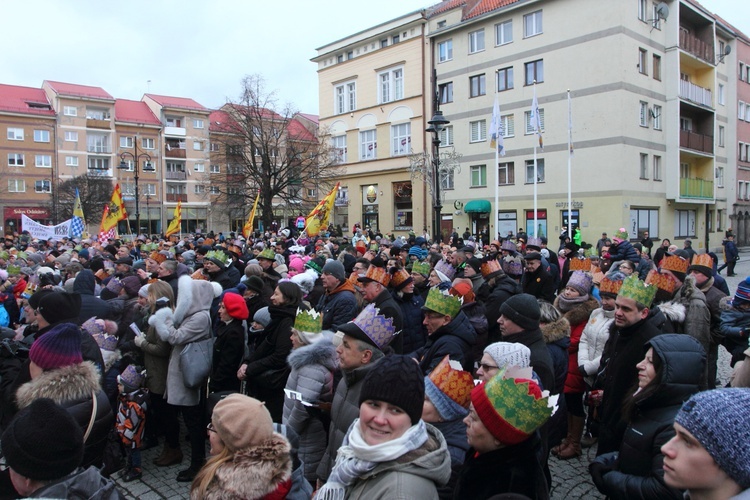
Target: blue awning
(478, 207)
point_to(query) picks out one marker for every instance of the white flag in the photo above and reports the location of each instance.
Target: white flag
(536, 121)
(496, 129)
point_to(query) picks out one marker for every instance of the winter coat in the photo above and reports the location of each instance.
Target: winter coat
(624, 251)
(414, 332)
(639, 471)
(730, 251)
(344, 411)
(229, 349)
(454, 432)
(455, 339)
(541, 360)
(697, 320)
(338, 307)
(735, 328)
(82, 483)
(390, 309)
(312, 376)
(578, 317)
(540, 284)
(513, 469)
(262, 471)
(73, 387)
(156, 360)
(593, 339)
(417, 474)
(557, 338)
(84, 285)
(222, 278)
(189, 322)
(478, 319)
(505, 288)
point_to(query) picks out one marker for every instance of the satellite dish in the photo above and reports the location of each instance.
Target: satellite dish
(662, 11)
(727, 50)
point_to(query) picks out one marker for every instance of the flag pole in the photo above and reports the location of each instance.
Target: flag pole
(497, 166)
(534, 111)
(570, 161)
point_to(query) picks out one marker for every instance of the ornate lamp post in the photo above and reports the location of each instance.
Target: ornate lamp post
(147, 167)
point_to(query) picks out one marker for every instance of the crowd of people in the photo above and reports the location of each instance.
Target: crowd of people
(372, 366)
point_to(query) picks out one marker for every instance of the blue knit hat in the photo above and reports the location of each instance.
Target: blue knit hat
(718, 420)
(742, 295)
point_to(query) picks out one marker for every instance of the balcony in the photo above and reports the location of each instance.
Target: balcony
(176, 176)
(99, 148)
(94, 123)
(696, 188)
(696, 47)
(696, 94)
(697, 142)
(175, 151)
(175, 131)
(174, 198)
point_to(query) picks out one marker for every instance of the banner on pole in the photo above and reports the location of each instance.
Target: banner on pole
(42, 232)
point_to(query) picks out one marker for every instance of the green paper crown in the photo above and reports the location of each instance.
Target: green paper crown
(422, 268)
(511, 400)
(621, 233)
(633, 288)
(4, 255)
(13, 270)
(22, 255)
(218, 255)
(267, 254)
(308, 321)
(591, 252)
(443, 302)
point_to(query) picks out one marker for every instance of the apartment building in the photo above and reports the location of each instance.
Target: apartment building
(741, 212)
(27, 155)
(650, 108)
(372, 110)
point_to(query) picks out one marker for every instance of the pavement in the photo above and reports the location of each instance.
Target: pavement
(570, 478)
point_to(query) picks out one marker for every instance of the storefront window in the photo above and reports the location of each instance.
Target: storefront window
(402, 206)
(541, 220)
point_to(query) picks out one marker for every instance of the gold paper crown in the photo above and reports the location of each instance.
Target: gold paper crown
(376, 326)
(267, 254)
(490, 266)
(456, 384)
(580, 265)
(703, 260)
(308, 321)
(422, 268)
(398, 278)
(607, 285)
(674, 263)
(661, 281)
(375, 273)
(633, 288)
(443, 302)
(157, 257)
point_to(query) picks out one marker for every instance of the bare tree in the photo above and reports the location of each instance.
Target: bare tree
(264, 149)
(95, 192)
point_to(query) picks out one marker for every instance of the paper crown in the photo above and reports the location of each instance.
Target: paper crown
(219, 256)
(399, 279)
(607, 285)
(591, 252)
(378, 274)
(534, 242)
(454, 383)
(512, 266)
(199, 275)
(132, 377)
(377, 327)
(442, 302)
(422, 268)
(490, 268)
(580, 265)
(157, 256)
(621, 233)
(633, 288)
(235, 250)
(13, 270)
(508, 245)
(702, 260)
(105, 342)
(267, 254)
(675, 263)
(596, 275)
(308, 321)
(444, 267)
(661, 281)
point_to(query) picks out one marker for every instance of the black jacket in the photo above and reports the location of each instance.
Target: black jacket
(540, 284)
(505, 288)
(455, 339)
(91, 305)
(229, 349)
(390, 309)
(541, 360)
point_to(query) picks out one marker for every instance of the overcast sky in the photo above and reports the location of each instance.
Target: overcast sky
(197, 49)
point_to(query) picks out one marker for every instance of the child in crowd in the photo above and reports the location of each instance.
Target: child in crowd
(735, 321)
(131, 418)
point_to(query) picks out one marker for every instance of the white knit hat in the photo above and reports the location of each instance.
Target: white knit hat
(508, 354)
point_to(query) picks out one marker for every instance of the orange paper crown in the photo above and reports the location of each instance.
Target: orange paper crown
(703, 260)
(398, 278)
(378, 274)
(489, 267)
(661, 281)
(675, 263)
(456, 384)
(607, 285)
(580, 265)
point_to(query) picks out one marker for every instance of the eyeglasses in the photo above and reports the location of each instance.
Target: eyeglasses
(210, 427)
(485, 367)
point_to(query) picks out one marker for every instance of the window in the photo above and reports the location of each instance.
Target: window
(71, 161)
(441, 24)
(478, 175)
(199, 167)
(98, 163)
(402, 205)
(70, 111)
(643, 114)
(215, 169)
(197, 146)
(41, 135)
(477, 86)
(391, 85)
(395, 39)
(214, 147)
(401, 139)
(742, 153)
(656, 66)
(71, 136)
(476, 41)
(383, 43)
(15, 134)
(508, 124)
(368, 145)
(98, 143)
(97, 114)
(198, 123)
(311, 192)
(644, 166)
(125, 141)
(445, 91)
(721, 136)
(684, 223)
(200, 189)
(44, 161)
(447, 180)
(505, 79)
(504, 33)
(722, 95)
(16, 186)
(147, 143)
(530, 171)
(173, 121)
(478, 131)
(657, 168)
(445, 51)
(43, 186)
(506, 174)
(446, 136)
(642, 57)
(213, 189)
(16, 160)
(657, 117)
(532, 24)
(720, 177)
(338, 146)
(534, 72)
(346, 97)
(644, 219)
(340, 58)
(527, 120)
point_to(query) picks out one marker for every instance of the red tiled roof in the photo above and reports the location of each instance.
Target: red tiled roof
(264, 113)
(134, 112)
(444, 6)
(484, 6)
(221, 121)
(312, 118)
(70, 89)
(177, 102)
(16, 99)
(299, 132)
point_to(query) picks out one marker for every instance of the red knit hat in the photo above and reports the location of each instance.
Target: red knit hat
(235, 306)
(61, 346)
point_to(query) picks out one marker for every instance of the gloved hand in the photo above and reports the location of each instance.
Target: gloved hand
(600, 467)
(139, 340)
(582, 370)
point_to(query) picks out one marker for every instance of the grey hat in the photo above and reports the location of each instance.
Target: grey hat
(509, 354)
(523, 310)
(262, 316)
(335, 269)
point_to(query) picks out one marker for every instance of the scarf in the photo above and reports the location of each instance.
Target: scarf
(566, 304)
(356, 458)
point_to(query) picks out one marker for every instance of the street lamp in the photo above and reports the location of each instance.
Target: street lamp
(437, 125)
(147, 167)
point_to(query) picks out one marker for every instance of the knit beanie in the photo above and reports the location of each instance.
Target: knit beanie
(236, 306)
(396, 380)
(580, 281)
(741, 295)
(335, 269)
(36, 297)
(449, 389)
(262, 316)
(718, 420)
(143, 291)
(316, 264)
(61, 346)
(255, 284)
(523, 310)
(509, 354)
(475, 264)
(43, 442)
(242, 422)
(131, 285)
(57, 307)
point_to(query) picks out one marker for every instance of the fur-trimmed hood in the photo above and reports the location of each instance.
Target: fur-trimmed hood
(552, 332)
(194, 296)
(254, 472)
(322, 353)
(62, 385)
(674, 311)
(581, 312)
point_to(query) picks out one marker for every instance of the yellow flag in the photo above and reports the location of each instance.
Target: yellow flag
(247, 229)
(174, 226)
(319, 217)
(116, 211)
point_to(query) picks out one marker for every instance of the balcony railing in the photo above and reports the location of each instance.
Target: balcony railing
(178, 131)
(696, 142)
(176, 176)
(696, 188)
(99, 148)
(94, 123)
(697, 47)
(175, 153)
(172, 197)
(695, 93)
